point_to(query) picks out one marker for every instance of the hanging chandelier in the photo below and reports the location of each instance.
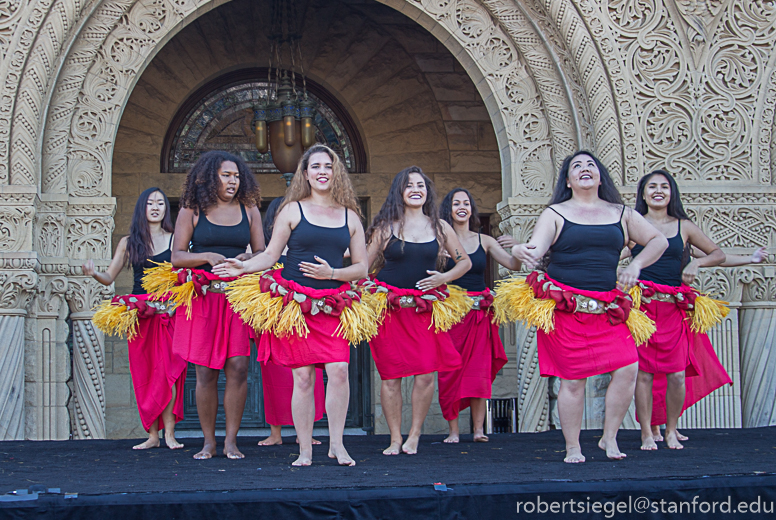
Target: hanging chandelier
(283, 119)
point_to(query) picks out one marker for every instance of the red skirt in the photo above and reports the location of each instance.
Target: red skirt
(584, 345)
(213, 334)
(321, 345)
(711, 375)
(406, 345)
(668, 349)
(482, 355)
(156, 369)
(278, 385)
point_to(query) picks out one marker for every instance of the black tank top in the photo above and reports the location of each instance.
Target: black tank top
(668, 268)
(137, 269)
(474, 279)
(585, 256)
(229, 241)
(308, 241)
(405, 268)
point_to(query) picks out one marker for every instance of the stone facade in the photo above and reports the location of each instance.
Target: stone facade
(474, 91)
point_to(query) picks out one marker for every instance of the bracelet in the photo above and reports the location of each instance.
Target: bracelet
(332, 274)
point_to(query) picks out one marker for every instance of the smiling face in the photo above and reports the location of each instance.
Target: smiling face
(415, 192)
(229, 176)
(657, 192)
(583, 173)
(461, 208)
(155, 207)
(319, 171)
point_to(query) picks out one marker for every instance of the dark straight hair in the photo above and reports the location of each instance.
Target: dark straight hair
(674, 209)
(446, 209)
(268, 222)
(606, 191)
(140, 245)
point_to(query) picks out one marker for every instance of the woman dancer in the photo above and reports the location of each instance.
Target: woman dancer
(711, 375)
(157, 373)
(584, 228)
(408, 237)
(666, 296)
(220, 217)
(318, 221)
(476, 337)
(277, 381)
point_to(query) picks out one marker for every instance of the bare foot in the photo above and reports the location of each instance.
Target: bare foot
(480, 437)
(611, 449)
(574, 455)
(304, 459)
(672, 440)
(681, 437)
(452, 438)
(341, 454)
(393, 449)
(208, 451)
(231, 452)
(648, 443)
(171, 441)
(272, 440)
(314, 443)
(656, 434)
(411, 446)
(152, 442)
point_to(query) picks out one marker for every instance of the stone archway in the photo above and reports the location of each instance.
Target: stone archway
(668, 83)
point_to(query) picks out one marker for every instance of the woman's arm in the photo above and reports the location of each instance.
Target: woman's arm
(760, 255)
(544, 234)
(643, 233)
(499, 254)
(113, 270)
(358, 256)
(626, 251)
(713, 254)
(184, 228)
(457, 253)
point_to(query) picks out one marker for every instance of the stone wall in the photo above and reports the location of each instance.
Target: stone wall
(690, 86)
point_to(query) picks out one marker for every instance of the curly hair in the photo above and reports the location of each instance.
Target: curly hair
(446, 209)
(140, 245)
(200, 191)
(606, 191)
(341, 188)
(393, 211)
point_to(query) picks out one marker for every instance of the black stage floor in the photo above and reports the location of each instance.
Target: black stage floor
(483, 478)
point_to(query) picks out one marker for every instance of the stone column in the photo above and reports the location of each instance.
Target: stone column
(16, 288)
(758, 346)
(89, 227)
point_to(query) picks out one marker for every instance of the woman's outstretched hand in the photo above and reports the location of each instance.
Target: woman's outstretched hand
(320, 271)
(229, 267)
(435, 280)
(527, 254)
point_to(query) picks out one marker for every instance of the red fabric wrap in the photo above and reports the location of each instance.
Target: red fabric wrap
(406, 344)
(544, 287)
(337, 298)
(214, 332)
(684, 302)
(477, 340)
(710, 375)
(582, 344)
(278, 385)
(155, 368)
(321, 345)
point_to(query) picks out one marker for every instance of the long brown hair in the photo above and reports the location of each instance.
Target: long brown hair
(341, 188)
(393, 211)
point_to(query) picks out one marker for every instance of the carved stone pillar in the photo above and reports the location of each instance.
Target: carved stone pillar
(89, 227)
(17, 283)
(758, 346)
